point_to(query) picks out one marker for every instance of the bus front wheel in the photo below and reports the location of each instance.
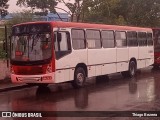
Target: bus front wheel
(79, 78)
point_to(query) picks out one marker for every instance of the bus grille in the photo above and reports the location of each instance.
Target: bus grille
(30, 70)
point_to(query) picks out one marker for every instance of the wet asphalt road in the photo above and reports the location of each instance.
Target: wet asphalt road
(116, 94)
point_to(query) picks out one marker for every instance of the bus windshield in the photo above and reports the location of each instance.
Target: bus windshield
(31, 43)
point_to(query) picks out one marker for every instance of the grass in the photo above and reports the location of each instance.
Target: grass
(2, 52)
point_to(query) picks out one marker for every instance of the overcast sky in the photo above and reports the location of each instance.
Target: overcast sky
(14, 8)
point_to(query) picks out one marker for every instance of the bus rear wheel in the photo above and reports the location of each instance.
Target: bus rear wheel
(79, 78)
(131, 71)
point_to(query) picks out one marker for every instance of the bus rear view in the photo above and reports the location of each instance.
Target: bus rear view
(31, 53)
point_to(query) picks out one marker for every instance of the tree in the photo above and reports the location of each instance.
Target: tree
(101, 11)
(43, 5)
(77, 9)
(139, 12)
(3, 7)
(20, 17)
(124, 12)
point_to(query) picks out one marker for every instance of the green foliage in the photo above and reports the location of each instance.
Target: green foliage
(101, 11)
(75, 8)
(44, 5)
(19, 17)
(4, 6)
(24, 16)
(2, 37)
(2, 33)
(139, 12)
(121, 12)
(2, 52)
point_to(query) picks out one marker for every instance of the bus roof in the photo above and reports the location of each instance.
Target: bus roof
(156, 28)
(90, 26)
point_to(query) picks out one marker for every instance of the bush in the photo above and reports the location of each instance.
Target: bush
(2, 54)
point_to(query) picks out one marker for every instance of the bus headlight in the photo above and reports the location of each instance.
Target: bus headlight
(12, 70)
(49, 69)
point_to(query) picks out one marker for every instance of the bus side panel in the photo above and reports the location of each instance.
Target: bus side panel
(122, 54)
(101, 60)
(110, 59)
(150, 56)
(141, 63)
(122, 66)
(91, 71)
(122, 59)
(143, 52)
(149, 62)
(98, 70)
(133, 52)
(65, 66)
(62, 75)
(142, 57)
(94, 59)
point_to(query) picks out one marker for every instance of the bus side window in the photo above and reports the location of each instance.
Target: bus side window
(93, 38)
(142, 39)
(121, 40)
(149, 39)
(62, 44)
(132, 39)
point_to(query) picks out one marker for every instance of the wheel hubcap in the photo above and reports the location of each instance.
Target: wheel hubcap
(132, 69)
(80, 78)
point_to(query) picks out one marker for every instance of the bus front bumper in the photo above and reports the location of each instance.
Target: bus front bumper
(44, 78)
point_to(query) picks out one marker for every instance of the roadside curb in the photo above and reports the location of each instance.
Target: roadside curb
(16, 87)
(7, 85)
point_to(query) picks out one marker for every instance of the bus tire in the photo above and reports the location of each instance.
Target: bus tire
(131, 70)
(79, 78)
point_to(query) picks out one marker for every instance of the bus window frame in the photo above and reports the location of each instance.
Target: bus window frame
(139, 40)
(152, 38)
(113, 39)
(100, 38)
(85, 41)
(136, 39)
(116, 40)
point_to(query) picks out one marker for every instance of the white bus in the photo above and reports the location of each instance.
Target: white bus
(55, 52)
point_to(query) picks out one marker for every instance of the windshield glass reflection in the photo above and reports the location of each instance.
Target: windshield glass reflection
(31, 47)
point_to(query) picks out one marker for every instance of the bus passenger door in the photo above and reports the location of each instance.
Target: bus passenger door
(62, 49)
